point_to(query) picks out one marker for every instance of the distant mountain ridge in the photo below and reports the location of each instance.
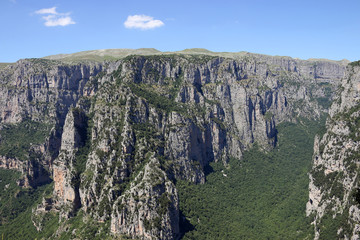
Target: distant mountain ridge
(114, 54)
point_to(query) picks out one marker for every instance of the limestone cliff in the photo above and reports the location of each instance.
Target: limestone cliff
(334, 182)
(122, 132)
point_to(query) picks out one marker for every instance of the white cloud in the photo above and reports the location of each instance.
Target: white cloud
(52, 21)
(54, 18)
(142, 22)
(47, 11)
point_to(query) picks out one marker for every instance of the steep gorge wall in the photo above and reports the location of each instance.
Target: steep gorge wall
(124, 132)
(334, 181)
(41, 91)
(38, 89)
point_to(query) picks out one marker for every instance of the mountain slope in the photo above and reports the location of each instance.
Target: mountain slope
(121, 133)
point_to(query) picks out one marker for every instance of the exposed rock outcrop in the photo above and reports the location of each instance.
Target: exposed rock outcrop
(334, 184)
(123, 132)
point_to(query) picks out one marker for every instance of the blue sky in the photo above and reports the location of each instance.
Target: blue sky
(297, 28)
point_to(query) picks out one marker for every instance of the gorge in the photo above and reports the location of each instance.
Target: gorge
(145, 144)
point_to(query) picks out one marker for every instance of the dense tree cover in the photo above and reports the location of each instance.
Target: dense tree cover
(261, 196)
(16, 139)
(16, 205)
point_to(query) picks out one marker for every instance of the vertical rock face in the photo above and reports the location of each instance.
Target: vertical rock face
(42, 91)
(36, 88)
(149, 208)
(334, 184)
(65, 169)
(124, 132)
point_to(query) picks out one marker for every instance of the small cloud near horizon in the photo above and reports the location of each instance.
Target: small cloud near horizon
(54, 18)
(142, 22)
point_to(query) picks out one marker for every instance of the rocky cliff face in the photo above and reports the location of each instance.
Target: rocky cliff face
(41, 91)
(334, 184)
(121, 133)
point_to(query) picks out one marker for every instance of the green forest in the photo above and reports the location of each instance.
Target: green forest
(261, 196)
(16, 205)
